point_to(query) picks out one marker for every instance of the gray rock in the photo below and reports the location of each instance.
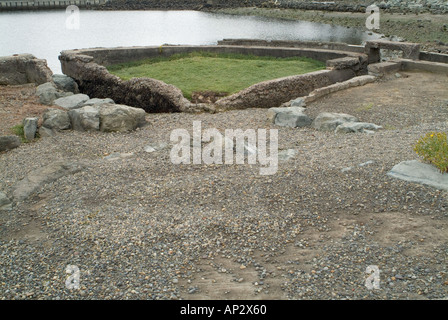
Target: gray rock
(56, 119)
(366, 163)
(30, 128)
(97, 102)
(5, 203)
(422, 173)
(299, 102)
(23, 68)
(327, 121)
(85, 119)
(117, 155)
(149, 149)
(157, 147)
(286, 155)
(65, 83)
(48, 93)
(9, 142)
(349, 127)
(120, 118)
(39, 177)
(45, 132)
(72, 102)
(293, 117)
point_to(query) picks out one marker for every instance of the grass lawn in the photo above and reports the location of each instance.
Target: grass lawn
(221, 73)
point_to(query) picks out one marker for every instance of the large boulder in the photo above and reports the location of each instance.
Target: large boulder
(45, 132)
(85, 119)
(56, 119)
(293, 117)
(328, 121)
(48, 93)
(65, 83)
(9, 142)
(120, 118)
(72, 102)
(23, 68)
(30, 128)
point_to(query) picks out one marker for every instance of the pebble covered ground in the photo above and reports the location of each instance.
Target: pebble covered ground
(140, 227)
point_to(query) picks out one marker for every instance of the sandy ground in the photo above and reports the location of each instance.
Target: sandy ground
(143, 228)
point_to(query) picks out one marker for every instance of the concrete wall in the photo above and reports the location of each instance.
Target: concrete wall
(293, 44)
(23, 68)
(87, 67)
(433, 57)
(108, 56)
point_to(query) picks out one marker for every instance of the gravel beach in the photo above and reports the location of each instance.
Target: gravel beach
(139, 227)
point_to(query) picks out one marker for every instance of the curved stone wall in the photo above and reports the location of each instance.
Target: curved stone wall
(88, 68)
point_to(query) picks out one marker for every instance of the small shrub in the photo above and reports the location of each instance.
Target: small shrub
(433, 147)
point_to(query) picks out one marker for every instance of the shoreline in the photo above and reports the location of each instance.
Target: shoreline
(427, 29)
(431, 30)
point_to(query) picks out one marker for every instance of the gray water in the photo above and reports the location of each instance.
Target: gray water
(44, 33)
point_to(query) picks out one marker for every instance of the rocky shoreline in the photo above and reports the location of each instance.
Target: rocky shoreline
(393, 6)
(396, 6)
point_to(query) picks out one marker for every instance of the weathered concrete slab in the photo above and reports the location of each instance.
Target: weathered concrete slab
(383, 68)
(427, 66)
(422, 173)
(353, 82)
(39, 177)
(410, 50)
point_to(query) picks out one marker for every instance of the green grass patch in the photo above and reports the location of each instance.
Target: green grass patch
(205, 71)
(18, 131)
(365, 107)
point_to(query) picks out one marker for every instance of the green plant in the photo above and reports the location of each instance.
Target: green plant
(18, 131)
(433, 147)
(365, 107)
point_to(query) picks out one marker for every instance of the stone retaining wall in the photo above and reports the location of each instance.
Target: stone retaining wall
(23, 68)
(87, 67)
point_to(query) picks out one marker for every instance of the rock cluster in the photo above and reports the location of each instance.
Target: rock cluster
(295, 117)
(80, 112)
(76, 111)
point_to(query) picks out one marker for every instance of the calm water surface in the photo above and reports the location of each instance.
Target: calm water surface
(44, 33)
